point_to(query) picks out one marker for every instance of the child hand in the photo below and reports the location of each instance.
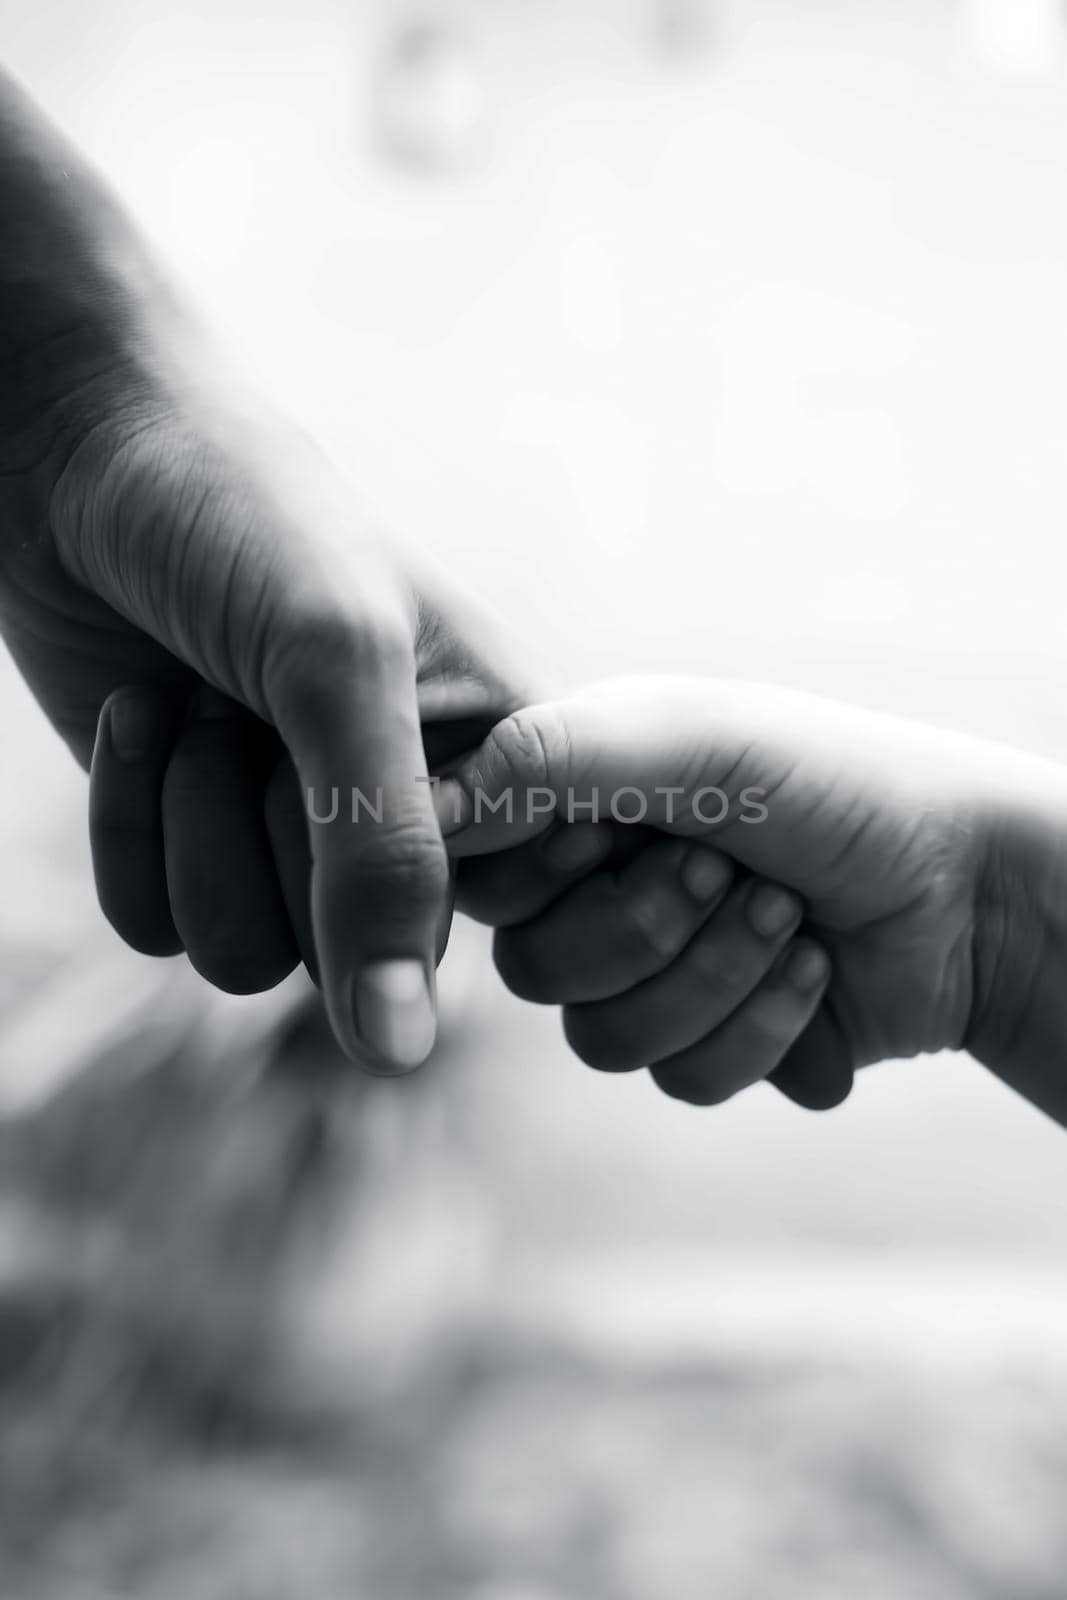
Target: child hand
(666, 945)
(869, 824)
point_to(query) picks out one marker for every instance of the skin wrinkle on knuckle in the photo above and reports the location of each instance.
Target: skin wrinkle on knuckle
(518, 745)
(315, 656)
(408, 865)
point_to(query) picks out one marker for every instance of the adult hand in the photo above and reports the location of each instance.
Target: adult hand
(190, 588)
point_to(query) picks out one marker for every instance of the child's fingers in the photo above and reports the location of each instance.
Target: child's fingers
(711, 978)
(519, 884)
(752, 1042)
(130, 757)
(817, 1071)
(615, 929)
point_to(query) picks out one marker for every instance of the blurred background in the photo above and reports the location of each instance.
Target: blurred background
(713, 334)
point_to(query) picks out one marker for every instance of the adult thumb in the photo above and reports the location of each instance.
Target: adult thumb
(345, 705)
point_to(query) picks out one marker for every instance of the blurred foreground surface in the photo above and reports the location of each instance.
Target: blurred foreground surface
(268, 1334)
(734, 343)
(541, 1477)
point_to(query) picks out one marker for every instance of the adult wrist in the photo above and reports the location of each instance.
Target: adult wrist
(80, 300)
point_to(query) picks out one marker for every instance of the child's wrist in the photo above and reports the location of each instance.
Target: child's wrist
(1018, 1023)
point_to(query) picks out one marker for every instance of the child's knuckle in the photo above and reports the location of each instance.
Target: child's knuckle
(650, 926)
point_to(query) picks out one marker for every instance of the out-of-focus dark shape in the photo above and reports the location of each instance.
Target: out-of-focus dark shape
(682, 29)
(216, 1221)
(430, 97)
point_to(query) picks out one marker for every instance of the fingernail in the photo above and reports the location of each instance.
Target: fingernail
(134, 724)
(573, 847)
(771, 910)
(395, 1015)
(452, 805)
(807, 967)
(706, 873)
